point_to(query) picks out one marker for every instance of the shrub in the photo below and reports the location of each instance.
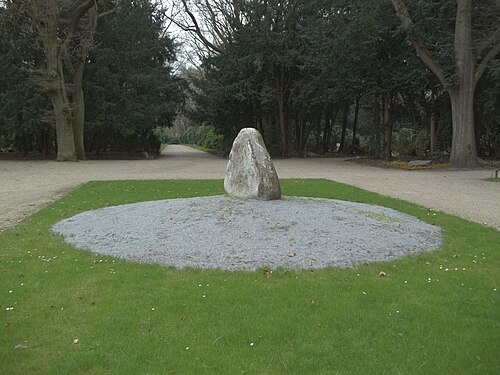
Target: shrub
(204, 135)
(404, 142)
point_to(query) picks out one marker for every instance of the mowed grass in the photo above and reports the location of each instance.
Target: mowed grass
(434, 313)
(492, 179)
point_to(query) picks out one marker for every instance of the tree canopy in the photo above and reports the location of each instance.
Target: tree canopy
(117, 52)
(342, 75)
(388, 78)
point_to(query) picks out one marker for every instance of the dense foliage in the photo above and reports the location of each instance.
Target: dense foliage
(22, 103)
(205, 136)
(314, 76)
(325, 76)
(129, 86)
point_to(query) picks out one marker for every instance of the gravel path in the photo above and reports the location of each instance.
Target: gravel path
(234, 234)
(26, 186)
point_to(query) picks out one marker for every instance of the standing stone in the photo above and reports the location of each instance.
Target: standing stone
(250, 171)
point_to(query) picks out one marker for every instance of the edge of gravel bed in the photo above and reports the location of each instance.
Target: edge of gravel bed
(234, 234)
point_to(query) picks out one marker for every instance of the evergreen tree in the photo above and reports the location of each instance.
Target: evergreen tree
(23, 123)
(129, 82)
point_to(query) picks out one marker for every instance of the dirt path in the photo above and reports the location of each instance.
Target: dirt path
(26, 186)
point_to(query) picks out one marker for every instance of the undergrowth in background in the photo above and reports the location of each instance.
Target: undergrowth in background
(205, 136)
(68, 311)
(404, 165)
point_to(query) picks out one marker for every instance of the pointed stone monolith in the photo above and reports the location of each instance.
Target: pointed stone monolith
(250, 171)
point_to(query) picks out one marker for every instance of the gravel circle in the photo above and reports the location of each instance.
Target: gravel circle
(233, 234)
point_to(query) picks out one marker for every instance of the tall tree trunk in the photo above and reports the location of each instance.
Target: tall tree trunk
(79, 111)
(327, 133)
(64, 129)
(280, 96)
(413, 111)
(354, 144)
(299, 134)
(463, 147)
(387, 128)
(433, 132)
(318, 133)
(376, 125)
(345, 115)
(56, 88)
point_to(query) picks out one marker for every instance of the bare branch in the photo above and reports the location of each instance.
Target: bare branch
(199, 32)
(485, 61)
(106, 13)
(181, 26)
(215, 23)
(75, 20)
(83, 8)
(418, 43)
(171, 17)
(488, 42)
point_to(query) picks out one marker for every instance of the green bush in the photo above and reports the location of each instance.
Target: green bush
(422, 143)
(204, 135)
(404, 142)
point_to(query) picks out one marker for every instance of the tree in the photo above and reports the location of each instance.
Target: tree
(295, 70)
(129, 81)
(22, 102)
(474, 45)
(66, 29)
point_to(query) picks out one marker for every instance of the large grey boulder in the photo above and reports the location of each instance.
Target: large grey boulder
(250, 171)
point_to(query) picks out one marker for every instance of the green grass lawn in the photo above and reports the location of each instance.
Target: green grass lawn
(205, 149)
(492, 179)
(434, 313)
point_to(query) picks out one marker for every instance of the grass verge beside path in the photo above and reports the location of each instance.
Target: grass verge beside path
(432, 314)
(493, 179)
(205, 149)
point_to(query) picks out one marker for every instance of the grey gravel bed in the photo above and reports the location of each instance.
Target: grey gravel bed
(232, 234)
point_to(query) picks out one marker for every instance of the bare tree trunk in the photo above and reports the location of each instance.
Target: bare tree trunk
(433, 132)
(64, 130)
(387, 128)
(354, 145)
(463, 147)
(261, 127)
(299, 134)
(318, 133)
(56, 88)
(469, 69)
(345, 115)
(62, 34)
(79, 111)
(376, 124)
(327, 133)
(280, 96)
